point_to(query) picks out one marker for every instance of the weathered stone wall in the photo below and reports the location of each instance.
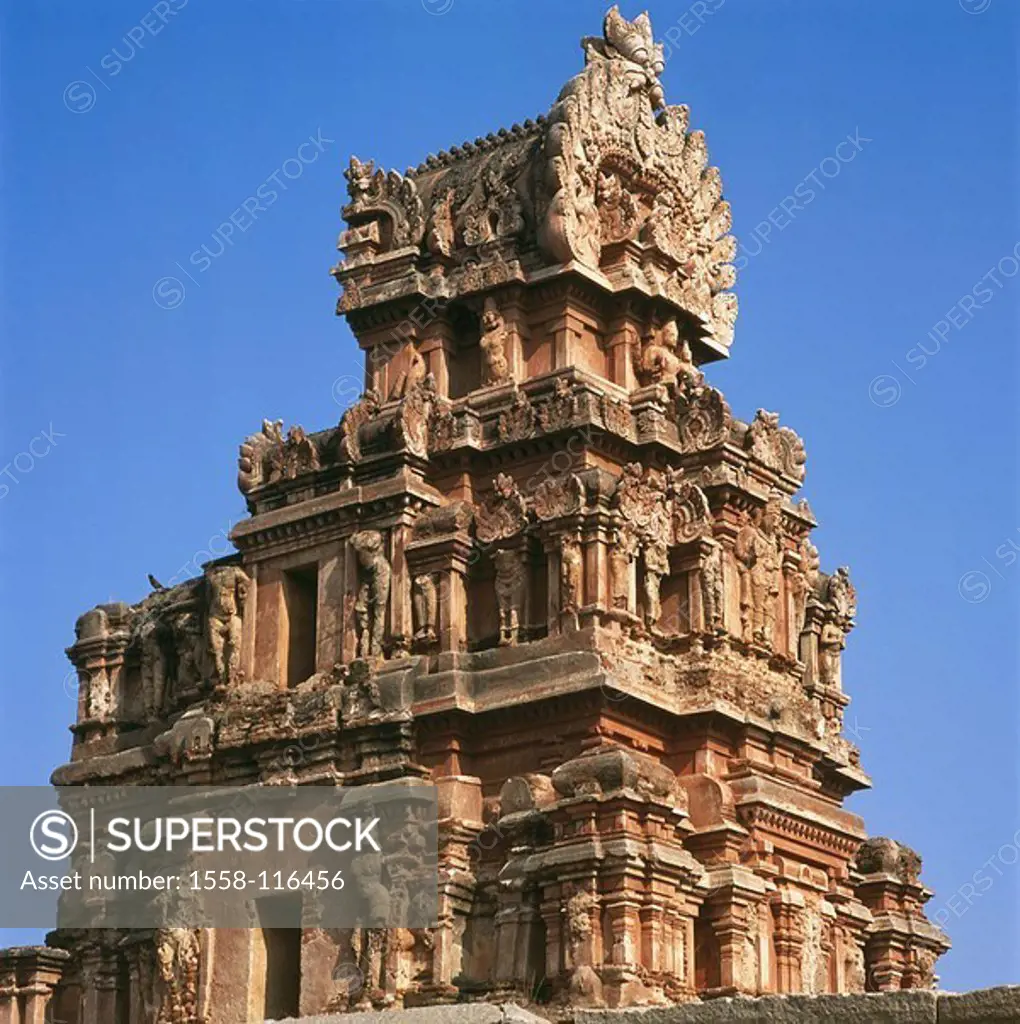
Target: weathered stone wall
(987, 1006)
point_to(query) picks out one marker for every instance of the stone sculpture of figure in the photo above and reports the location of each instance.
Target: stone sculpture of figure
(186, 631)
(660, 361)
(510, 579)
(570, 575)
(495, 367)
(409, 379)
(621, 557)
(228, 591)
(712, 588)
(841, 594)
(424, 599)
(831, 642)
(759, 557)
(656, 566)
(374, 576)
(689, 376)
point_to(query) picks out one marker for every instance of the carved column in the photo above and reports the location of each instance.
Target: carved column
(439, 349)
(788, 939)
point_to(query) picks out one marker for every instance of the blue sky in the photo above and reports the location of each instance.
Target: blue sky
(131, 137)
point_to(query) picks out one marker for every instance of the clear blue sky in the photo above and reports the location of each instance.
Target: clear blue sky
(106, 190)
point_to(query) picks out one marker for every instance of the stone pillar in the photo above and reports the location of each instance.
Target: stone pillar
(268, 615)
(624, 342)
(439, 350)
(788, 937)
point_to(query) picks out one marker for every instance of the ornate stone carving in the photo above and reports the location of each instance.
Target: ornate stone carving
(558, 496)
(617, 417)
(376, 193)
(559, 410)
(363, 410)
(759, 559)
(691, 515)
(511, 578)
(505, 514)
(518, 422)
(711, 582)
(293, 457)
(413, 415)
(618, 213)
(360, 698)
(227, 587)
(841, 596)
(424, 598)
(177, 965)
(656, 556)
(414, 375)
(440, 237)
(703, 418)
(880, 855)
(374, 577)
(774, 446)
(660, 360)
(251, 470)
(604, 120)
(442, 429)
(437, 522)
(571, 570)
(495, 366)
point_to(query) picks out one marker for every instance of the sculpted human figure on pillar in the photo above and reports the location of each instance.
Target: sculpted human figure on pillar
(374, 576)
(656, 556)
(570, 574)
(660, 357)
(227, 588)
(712, 587)
(510, 581)
(424, 599)
(759, 556)
(495, 366)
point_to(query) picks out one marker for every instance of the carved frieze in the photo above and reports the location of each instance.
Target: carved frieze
(518, 422)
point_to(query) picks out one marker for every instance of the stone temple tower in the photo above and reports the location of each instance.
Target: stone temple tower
(541, 565)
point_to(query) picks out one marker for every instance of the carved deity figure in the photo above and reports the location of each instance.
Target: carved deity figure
(660, 358)
(510, 582)
(712, 588)
(803, 582)
(227, 588)
(841, 595)
(299, 454)
(831, 642)
(495, 366)
(759, 556)
(374, 577)
(656, 566)
(424, 599)
(621, 558)
(570, 575)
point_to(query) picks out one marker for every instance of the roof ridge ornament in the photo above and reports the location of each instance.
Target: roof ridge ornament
(633, 42)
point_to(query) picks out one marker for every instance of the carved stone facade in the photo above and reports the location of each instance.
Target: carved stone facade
(590, 585)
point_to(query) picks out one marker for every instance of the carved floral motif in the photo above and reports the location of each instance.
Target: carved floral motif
(774, 446)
